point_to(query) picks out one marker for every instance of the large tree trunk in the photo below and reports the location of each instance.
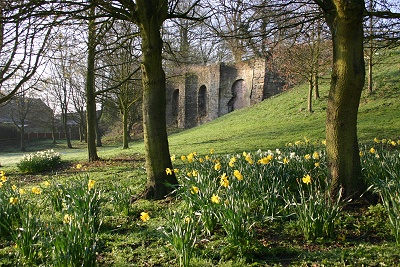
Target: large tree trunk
(344, 169)
(91, 118)
(151, 14)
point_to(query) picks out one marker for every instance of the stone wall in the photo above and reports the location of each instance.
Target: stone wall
(204, 93)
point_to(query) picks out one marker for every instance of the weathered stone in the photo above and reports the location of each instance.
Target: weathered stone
(204, 93)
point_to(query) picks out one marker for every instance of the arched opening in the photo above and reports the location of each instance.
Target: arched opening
(175, 103)
(202, 101)
(240, 97)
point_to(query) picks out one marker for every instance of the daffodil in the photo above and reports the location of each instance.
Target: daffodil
(372, 150)
(14, 187)
(217, 166)
(224, 180)
(36, 190)
(1, 184)
(307, 179)
(79, 166)
(316, 164)
(46, 183)
(376, 140)
(168, 171)
(238, 175)
(195, 172)
(264, 160)
(307, 156)
(173, 157)
(91, 184)
(315, 155)
(67, 218)
(232, 162)
(249, 159)
(215, 199)
(3, 178)
(144, 216)
(285, 161)
(183, 157)
(21, 191)
(194, 190)
(361, 153)
(13, 200)
(190, 157)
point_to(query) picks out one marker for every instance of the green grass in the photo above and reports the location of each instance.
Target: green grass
(124, 240)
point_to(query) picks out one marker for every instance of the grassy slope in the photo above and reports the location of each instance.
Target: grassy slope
(283, 118)
(277, 121)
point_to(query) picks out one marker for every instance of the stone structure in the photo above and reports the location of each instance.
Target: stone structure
(204, 93)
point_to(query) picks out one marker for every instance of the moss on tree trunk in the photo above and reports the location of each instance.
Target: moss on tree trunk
(344, 169)
(151, 16)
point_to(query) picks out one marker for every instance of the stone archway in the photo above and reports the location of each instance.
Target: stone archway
(202, 101)
(175, 103)
(240, 97)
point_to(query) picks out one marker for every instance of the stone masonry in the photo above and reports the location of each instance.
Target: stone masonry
(204, 93)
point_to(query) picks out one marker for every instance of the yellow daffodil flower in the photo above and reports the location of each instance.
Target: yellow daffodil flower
(36, 190)
(194, 190)
(91, 184)
(217, 166)
(372, 150)
(238, 175)
(215, 199)
(13, 200)
(264, 160)
(67, 218)
(144, 216)
(168, 171)
(307, 179)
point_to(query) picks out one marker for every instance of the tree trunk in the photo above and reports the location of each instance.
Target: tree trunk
(90, 92)
(151, 14)
(125, 133)
(98, 132)
(65, 126)
(309, 98)
(316, 87)
(370, 66)
(344, 168)
(22, 137)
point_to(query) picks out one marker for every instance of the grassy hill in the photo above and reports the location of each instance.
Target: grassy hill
(277, 121)
(284, 118)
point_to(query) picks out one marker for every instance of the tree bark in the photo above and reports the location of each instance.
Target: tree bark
(125, 133)
(151, 14)
(344, 168)
(91, 117)
(309, 96)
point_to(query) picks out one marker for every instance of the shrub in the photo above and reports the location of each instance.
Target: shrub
(39, 161)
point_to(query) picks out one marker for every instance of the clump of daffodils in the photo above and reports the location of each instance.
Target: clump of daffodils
(39, 161)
